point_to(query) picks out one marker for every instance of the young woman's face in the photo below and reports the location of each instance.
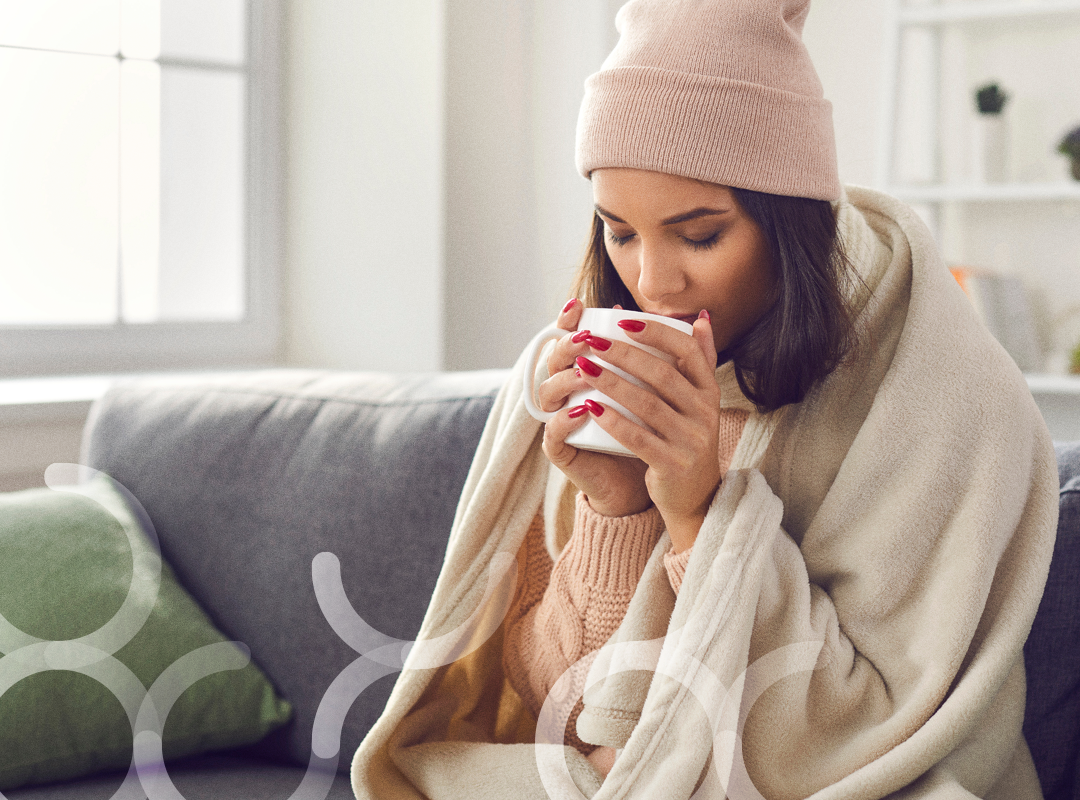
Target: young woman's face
(681, 245)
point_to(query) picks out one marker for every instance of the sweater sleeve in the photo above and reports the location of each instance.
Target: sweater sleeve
(561, 616)
(675, 565)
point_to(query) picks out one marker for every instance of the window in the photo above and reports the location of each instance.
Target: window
(139, 184)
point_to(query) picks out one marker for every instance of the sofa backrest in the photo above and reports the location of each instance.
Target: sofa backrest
(1052, 651)
(247, 477)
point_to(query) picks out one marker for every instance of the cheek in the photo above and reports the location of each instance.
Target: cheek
(625, 267)
(758, 285)
(744, 293)
(756, 277)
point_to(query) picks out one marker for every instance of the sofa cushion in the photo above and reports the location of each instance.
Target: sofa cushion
(77, 565)
(248, 477)
(213, 777)
(1052, 651)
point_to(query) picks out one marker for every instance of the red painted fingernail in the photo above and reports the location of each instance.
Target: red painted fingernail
(594, 407)
(704, 315)
(577, 372)
(596, 343)
(569, 304)
(617, 307)
(577, 411)
(579, 337)
(632, 325)
(588, 367)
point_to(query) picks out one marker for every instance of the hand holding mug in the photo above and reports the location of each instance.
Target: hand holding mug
(655, 396)
(593, 461)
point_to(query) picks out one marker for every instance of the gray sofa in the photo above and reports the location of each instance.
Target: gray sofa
(248, 477)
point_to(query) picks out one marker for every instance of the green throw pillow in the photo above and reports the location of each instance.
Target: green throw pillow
(66, 572)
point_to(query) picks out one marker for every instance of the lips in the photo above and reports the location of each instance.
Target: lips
(689, 319)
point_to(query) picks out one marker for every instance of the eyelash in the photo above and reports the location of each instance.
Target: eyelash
(703, 244)
(700, 244)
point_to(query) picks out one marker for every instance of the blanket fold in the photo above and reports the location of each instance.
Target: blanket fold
(851, 620)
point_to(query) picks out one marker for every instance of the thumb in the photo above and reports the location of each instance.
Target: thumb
(703, 335)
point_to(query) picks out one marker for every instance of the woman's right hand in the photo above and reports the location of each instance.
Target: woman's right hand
(614, 485)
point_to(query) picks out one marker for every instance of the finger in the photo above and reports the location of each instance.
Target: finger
(565, 350)
(554, 392)
(638, 440)
(666, 380)
(557, 429)
(570, 315)
(684, 420)
(703, 335)
(562, 354)
(660, 414)
(679, 458)
(690, 357)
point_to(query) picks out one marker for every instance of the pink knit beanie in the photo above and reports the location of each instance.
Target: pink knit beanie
(718, 90)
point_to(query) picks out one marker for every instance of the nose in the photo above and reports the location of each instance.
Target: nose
(660, 273)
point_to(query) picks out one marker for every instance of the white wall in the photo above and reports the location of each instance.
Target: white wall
(846, 40)
(435, 214)
(364, 202)
(34, 436)
(517, 212)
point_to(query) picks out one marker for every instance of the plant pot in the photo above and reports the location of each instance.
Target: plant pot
(989, 149)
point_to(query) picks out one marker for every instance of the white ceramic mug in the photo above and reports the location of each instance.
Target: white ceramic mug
(601, 322)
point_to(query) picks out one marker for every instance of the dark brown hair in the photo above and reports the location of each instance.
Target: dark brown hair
(808, 328)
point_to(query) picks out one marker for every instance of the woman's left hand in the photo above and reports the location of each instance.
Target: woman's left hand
(684, 468)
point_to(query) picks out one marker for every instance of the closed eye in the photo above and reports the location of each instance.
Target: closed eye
(703, 244)
(619, 240)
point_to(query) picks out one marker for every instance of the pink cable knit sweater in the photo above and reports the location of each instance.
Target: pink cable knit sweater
(568, 609)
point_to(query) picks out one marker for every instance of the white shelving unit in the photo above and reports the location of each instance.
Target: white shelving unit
(969, 10)
(935, 17)
(1028, 225)
(1058, 398)
(989, 193)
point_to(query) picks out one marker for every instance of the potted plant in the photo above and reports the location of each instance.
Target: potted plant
(1070, 146)
(989, 145)
(990, 99)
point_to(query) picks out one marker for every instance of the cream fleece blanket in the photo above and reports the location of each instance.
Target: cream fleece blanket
(853, 613)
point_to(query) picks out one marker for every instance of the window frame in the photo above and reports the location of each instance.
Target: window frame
(253, 341)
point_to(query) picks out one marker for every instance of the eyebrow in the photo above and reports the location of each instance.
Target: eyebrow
(689, 215)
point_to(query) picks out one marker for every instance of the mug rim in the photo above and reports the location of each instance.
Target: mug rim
(677, 324)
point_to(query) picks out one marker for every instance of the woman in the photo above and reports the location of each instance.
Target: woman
(843, 609)
(670, 245)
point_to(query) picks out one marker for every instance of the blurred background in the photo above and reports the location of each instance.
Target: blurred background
(390, 184)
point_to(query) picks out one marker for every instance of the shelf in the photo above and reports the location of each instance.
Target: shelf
(1053, 384)
(974, 10)
(990, 192)
(1058, 399)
